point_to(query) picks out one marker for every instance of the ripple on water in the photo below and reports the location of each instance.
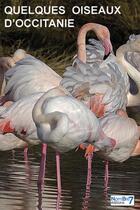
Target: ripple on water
(19, 189)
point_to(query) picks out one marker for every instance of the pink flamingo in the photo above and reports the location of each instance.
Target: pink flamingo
(101, 84)
(128, 56)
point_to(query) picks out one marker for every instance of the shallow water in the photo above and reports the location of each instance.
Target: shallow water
(19, 189)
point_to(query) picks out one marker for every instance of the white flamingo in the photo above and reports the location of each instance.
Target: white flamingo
(8, 140)
(102, 85)
(71, 122)
(64, 123)
(128, 56)
(22, 123)
(29, 76)
(125, 144)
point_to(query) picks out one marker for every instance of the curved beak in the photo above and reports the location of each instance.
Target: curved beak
(107, 46)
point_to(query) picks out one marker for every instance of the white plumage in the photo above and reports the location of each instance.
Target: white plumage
(128, 56)
(29, 76)
(94, 80)
(71, 122)
(9, 141)
(19, 114)
(64, 122)
(126, 133)
(107, 79)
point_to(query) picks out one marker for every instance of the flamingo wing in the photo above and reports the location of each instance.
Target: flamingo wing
(29, 76)
(18, 118)
(107, 80)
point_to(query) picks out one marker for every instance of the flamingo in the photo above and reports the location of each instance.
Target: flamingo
(126, 145)
(9, 141)
(102, 85)
(68, 118)
(128, 56)
(22, 124)
(29, 76)
(64, 122)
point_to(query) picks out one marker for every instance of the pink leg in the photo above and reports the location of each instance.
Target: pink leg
(88, 184)
(42, 165)
(41, 175)
(58, 172)
(89, 174)
(106, 177)
(27, 165)
(26, 153)
(58, 202)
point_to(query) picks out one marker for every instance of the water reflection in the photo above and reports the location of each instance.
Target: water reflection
(19, 189)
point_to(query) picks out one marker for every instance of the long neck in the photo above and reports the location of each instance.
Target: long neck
(81, 41)
(57, 91)
(56, 123)
(37, 110)
(133, 100)
(131, 70)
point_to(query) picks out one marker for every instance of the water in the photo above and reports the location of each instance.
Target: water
(19, 189)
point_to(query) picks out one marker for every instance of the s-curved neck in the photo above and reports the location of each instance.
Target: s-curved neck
(133, 100)
(37, 110)
(131, 70)
(81, 41)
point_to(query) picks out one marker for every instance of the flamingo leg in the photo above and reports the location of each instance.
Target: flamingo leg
(89, 173)
(42, 165)
(41, 175)
(58, 172)
(88, 184)
(58, 201)
(106, 177)
(27, 166)
(26, 154)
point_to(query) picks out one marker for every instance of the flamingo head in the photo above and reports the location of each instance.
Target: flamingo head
(103, 35)
(105, 143)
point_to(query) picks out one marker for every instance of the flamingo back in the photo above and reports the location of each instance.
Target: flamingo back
(29, 76)
(126, 138)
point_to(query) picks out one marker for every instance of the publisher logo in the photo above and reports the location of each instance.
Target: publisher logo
(122, 200)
